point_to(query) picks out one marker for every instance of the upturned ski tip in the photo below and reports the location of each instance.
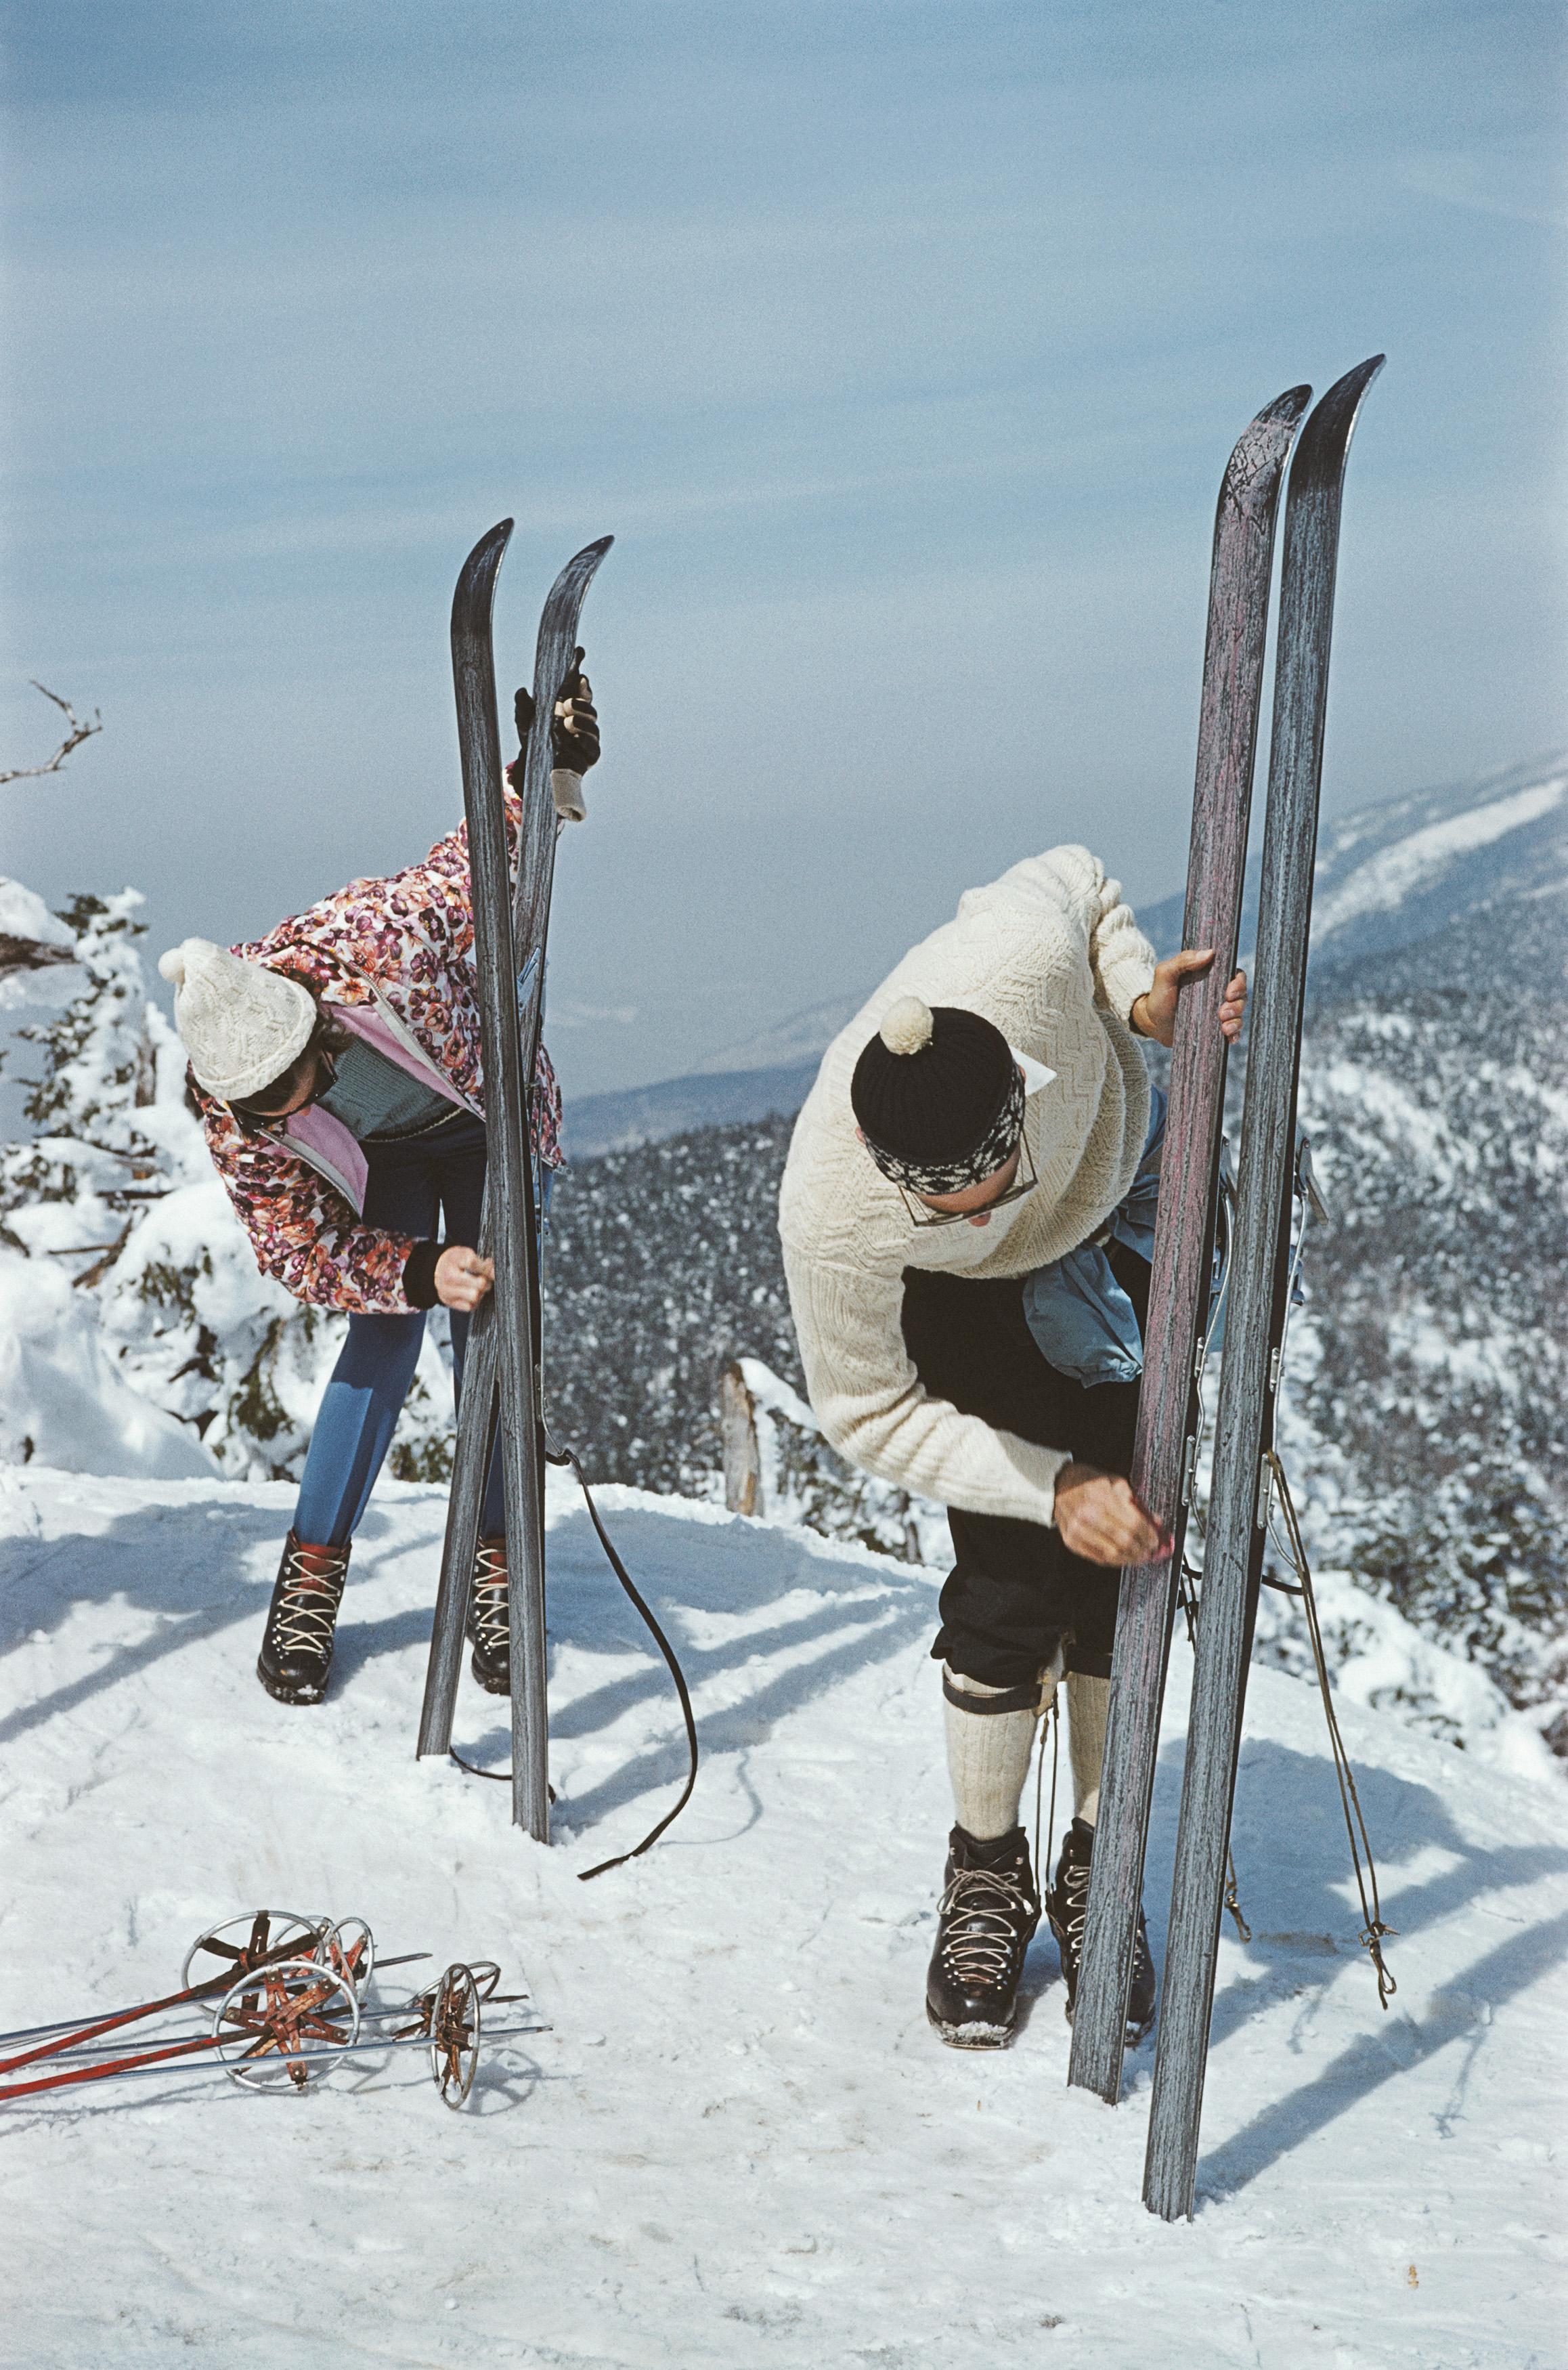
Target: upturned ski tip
(1325, 439)
(1356, 382)
(1251, 474)
(578, 573)
(477, 581)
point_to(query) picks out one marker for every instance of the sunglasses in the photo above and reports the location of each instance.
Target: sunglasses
(922, 1217)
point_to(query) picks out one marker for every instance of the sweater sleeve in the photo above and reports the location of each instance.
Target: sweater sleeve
(870, 1402)
(1069, 885)
(1121, 957)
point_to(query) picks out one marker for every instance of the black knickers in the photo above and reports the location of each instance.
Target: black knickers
(1015, 1593)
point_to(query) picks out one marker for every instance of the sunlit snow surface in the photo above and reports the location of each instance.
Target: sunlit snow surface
(741, 2143)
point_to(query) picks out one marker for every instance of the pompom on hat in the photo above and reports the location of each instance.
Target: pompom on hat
(242, 1023)
(938, 1096)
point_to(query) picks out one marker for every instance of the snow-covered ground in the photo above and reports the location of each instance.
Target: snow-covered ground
(739, 2143)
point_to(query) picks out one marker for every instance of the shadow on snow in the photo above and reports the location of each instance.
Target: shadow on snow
(202, 1570)
(1294, 1878)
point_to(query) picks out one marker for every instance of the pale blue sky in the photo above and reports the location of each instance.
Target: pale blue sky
(899, 346)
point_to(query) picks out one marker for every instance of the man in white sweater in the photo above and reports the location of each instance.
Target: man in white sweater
(966, 1215)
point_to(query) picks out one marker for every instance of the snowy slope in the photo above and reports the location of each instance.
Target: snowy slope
(62, 1400)
(739, 2145)
(1405, 870)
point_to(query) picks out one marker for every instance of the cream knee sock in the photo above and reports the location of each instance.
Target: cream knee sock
(988, 1757)
(1088, 1701)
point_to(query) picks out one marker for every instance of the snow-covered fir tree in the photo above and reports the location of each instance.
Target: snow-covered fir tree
(72, 1191)
(117, 1192)
(663, 1265)
(1429, 1370)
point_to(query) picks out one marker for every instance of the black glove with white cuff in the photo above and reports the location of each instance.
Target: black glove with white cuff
(573, 738)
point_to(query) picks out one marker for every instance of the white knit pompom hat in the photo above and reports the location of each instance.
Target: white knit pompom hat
(242, 1023)
(908, 1026)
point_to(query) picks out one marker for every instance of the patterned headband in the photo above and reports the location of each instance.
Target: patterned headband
(995, 1147)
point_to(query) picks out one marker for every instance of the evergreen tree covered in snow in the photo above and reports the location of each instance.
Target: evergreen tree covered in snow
(117, 1191)
(663, 1265)
(1430, 1369)
(78, 1181)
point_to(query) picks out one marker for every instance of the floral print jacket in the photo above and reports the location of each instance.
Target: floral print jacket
(404, 945)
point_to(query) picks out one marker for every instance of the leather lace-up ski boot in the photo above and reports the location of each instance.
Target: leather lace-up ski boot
(987, 1911)
(489, 1618)
(295, 1661)
(1067, 1908)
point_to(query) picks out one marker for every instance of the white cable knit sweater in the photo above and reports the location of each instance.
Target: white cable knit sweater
(1053, 957)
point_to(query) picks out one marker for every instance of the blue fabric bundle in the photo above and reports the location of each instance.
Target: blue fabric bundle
(1080, 1319)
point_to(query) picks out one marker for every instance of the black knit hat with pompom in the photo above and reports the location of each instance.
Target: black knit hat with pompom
(938, 1096)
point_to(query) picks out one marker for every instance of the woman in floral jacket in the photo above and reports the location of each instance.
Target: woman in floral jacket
(336, 1063)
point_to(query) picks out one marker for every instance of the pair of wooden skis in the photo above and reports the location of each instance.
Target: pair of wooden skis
(502, 1376)
(1167, 1442)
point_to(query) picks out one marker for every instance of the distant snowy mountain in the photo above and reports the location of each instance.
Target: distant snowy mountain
(616, 1122)
(1389, 877)
(803, 1037)
(751, 1080)
(1461, 857)
(1396, 873)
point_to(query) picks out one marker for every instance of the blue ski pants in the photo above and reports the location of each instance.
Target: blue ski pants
(409, 1182)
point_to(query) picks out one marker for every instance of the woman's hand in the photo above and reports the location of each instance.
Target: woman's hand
(1154, 1014)
(462, 1278)
(573, 723)
(1100, 1518)
(574, 730)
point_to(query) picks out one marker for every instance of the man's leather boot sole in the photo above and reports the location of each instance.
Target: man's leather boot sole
(297, 1691)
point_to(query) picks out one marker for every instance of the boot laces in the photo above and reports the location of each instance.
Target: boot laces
(991, 1915)
(305, 1614)
(1071, 1906)
(492, 1614)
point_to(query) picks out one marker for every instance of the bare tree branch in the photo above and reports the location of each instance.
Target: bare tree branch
(100, 1267)
(31, 954)
(74, 738)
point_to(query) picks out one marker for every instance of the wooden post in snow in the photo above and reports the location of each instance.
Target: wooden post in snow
(738, 1427)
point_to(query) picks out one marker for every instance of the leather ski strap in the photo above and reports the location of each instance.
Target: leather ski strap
(566, 1457)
